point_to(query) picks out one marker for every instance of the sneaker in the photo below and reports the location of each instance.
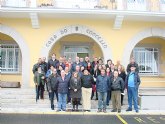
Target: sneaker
(114, 110)
(137, 111)
(99, 110)
(104, 110)
(119, 110)
(129, 109)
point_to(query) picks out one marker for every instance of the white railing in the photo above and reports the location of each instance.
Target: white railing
(124, 5)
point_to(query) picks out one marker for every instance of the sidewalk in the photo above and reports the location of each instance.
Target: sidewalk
(68, 112)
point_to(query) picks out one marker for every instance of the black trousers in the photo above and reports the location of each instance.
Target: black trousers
(122, 97)
(40, 91)
(52, 98)
(75, 102)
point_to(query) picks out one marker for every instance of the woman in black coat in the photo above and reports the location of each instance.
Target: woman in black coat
(75, 90)
(122, 74)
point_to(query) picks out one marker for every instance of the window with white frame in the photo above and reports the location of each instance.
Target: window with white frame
(147, 59)
(10, 59)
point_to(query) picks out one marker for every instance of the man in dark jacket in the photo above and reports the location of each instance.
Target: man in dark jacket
(87, 82)
(117, 87)
(52, 86)
(37, 65)
(77, 62)
(102, 85)
(44, 65)
(62, 86)
(132, 62)
(53, 61)
(132, 84)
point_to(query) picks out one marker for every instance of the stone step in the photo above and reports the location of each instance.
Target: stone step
(22, 96)
(26, 101)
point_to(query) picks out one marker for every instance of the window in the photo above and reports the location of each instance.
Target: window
(10, 59)
(73, 51)
(162, 1)
(147, 59)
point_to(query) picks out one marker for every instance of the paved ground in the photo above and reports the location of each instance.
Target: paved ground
(65, 118)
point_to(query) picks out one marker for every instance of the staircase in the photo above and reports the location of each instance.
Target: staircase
(18, 99)
(22, 98)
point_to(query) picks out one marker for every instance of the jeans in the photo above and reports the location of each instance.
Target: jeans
(62, 101)
(133, 95)
(52, 98)
(102, 98)
(108, 97)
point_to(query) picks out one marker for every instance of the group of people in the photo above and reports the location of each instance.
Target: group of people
(81, 80)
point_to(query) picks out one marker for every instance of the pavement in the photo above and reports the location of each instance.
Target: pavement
(74, 118)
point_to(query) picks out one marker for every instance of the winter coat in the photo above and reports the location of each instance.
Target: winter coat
(35, 67)
(62, 85)
(38, 78)
(52, 82)
(137, 80)
(117, 85)
(75, 83)
(73, 69)
(87, 81)
(102, 83)
(53, 63)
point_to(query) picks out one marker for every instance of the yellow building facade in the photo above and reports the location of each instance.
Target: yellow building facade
(108, 34)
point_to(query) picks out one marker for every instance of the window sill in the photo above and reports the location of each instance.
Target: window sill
(11, 73)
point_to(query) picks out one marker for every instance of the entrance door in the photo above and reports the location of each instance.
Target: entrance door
(73, 51)
(82, 55)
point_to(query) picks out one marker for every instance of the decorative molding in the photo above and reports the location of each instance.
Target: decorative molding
(24, 51)
(118, 22)
(77, 29)
(149, 32)
(34, 20)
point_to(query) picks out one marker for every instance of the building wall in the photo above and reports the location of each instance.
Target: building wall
(116, 39)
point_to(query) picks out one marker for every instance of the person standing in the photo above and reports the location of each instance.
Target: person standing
(122, 74)
(95, 62)
(132, 85)
(117, 87)
(44, 65)
(109, 74)
(87, 82)
(96, 72)
(62, 88)
(39, 78)
(68, 75)
(132, 62)
(109, 62)
(53, 61)
(102, 85)
(37, 65)
(75, 90)
(76, 63)
(52, 87)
